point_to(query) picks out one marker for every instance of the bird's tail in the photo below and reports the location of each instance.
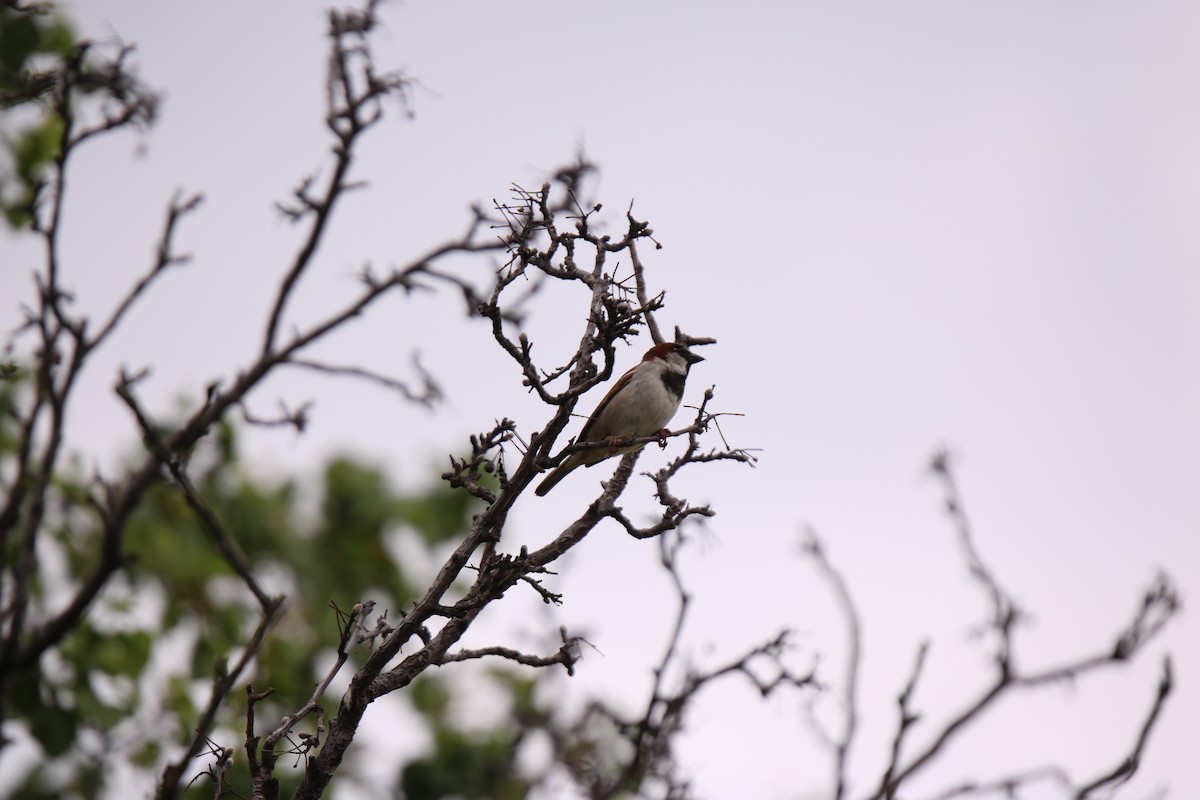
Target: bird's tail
(552, 479)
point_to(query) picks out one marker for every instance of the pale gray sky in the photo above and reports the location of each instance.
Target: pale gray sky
(909, 225)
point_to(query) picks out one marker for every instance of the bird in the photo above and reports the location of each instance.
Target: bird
(640, 403)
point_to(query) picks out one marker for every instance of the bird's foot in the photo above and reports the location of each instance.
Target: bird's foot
(615, 442)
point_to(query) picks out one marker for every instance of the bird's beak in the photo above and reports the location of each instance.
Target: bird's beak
(691, 357)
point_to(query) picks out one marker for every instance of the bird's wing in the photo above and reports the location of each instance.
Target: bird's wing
(585, 435)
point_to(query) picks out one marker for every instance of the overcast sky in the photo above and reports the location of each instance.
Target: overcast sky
(909, 225)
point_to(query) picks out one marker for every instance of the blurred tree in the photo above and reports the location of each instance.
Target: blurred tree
(105, 694)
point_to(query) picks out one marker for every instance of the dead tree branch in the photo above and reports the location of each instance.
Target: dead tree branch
(1159, 605)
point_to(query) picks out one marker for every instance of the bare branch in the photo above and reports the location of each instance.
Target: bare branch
(1129, 765)
(428, 395)
(354, 633)
(1010, 785)
(908, 717)
(1159, 604)
(223, 684)
(126, 100)
(639, 273)
(166, 257)
(354, 92)
(812, 547)
(298, 419)
(567, 655)
(1004, 611)
(676, 510)
(225, 543)
(652, 735)
(227, 546)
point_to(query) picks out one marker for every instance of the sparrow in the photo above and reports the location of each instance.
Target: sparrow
(640, 403)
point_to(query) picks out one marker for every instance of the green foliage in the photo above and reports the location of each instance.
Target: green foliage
(34, 44)
(32, 151)
(471, 764)
(26, 34)
(434, 514)
(97, 679)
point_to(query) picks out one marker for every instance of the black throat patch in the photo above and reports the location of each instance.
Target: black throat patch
(673, 382)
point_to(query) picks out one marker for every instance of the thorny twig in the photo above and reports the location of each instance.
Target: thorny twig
(537, 245)
(677, 510)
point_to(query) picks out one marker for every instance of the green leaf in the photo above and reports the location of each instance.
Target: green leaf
(21, 38)
(35, 147)
(179, 700)
(59, 37)
(430, 697)
(18, 215)
(146, 755)
(441, 515)
(54, 729)
(114, 653)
